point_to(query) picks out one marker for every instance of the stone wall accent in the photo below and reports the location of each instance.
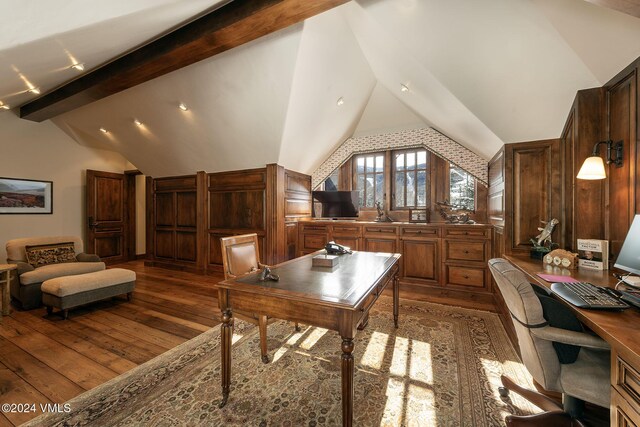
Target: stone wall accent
(428, 138)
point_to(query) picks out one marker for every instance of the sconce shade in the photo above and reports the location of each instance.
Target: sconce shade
(592, 168)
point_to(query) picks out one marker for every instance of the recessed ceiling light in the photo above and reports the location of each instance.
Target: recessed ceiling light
(4, 106)
(340, 101)
(78, 67)
(404, 88)
(137, 122)
(103, 130)
(183, 107)
(34, 90)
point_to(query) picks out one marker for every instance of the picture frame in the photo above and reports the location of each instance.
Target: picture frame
(419, 216)
(25, 196)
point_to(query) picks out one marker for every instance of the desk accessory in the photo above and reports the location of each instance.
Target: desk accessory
(593, 253)
(561, 258)
(325, 260)
(268, 275)
(551, 278)
(334, 248)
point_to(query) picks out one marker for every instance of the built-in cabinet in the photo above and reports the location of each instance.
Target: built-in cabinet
(188, 215)
(440, 262)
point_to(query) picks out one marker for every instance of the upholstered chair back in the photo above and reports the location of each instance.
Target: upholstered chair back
(240, 255)
(538, 355)
(16, 251)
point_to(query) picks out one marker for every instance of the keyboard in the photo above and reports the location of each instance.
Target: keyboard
(587, 295)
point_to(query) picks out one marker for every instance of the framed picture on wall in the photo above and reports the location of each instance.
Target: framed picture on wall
(419, 215)
(25, 196)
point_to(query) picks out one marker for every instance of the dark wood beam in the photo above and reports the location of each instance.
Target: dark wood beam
(229, 26)
(630, 7)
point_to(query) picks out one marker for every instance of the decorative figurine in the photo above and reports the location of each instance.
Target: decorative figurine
(451, 218)
(381, 216)
(544, 238)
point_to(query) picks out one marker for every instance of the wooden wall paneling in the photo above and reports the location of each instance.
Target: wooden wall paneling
(622, 126)
(236, 204)
(130, 191)
(274, 214)
(175, 222)
(495, 193)
(202, 217)
(150, 217)
(344, 175)
(297, 206)
(533, 194)
(583, 201)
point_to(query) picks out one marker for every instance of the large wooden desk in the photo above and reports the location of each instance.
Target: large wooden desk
(619, 329)
(338, 299)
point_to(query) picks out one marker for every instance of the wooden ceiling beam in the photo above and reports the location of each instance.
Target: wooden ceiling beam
(229, 26)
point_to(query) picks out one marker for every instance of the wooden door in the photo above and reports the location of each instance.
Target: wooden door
(421, 260)
(106, 216)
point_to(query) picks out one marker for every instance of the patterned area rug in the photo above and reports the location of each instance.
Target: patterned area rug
(442, 367)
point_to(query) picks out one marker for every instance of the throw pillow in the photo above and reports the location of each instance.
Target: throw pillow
(56, 253)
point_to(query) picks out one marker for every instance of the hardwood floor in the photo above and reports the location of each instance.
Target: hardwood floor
(44, 359)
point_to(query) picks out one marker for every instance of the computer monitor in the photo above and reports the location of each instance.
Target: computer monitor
(629, 257)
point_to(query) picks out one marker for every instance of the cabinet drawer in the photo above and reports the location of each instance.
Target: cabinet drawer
(463, 232)
(350, 230)
(375, 230)
(407, 232)
(623, 414)
(627, 381)
(313, 228)
(313, 241)
(465, 276)
(463, 250)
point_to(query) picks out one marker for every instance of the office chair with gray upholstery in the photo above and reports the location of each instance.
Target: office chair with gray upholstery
(583, 376)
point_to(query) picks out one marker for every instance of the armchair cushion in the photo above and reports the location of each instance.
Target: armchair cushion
(51, 271)
(82, 257)
(54, 253)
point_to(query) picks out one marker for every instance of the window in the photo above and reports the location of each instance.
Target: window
(411, 179)
(462, 188)
(332, 182)
(369, 181)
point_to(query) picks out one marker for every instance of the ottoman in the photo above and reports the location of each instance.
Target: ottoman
(71, 291)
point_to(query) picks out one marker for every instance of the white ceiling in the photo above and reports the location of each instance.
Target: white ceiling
(482, 72)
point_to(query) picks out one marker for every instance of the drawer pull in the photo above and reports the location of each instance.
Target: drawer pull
(465, 276)
(466, 252)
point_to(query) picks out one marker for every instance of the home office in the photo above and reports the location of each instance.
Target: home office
(229, 126)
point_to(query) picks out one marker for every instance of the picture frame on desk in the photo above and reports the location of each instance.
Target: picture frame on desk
(419, 216)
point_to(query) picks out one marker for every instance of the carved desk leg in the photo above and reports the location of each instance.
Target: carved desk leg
(226, 331)
(347, 382)
(396, 299)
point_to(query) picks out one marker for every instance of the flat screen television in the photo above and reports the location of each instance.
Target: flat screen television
(336, 204)
(629, 257)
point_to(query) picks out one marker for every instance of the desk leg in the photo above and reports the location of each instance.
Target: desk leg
(226, 331)
(6, 298)
(347, 382)
(396, 299)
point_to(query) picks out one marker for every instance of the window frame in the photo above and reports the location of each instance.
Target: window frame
(384, 173)
(394, 172)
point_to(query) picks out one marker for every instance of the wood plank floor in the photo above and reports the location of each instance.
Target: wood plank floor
(44, 359)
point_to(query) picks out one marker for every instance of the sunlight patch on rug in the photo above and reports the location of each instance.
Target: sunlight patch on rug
(441, 367)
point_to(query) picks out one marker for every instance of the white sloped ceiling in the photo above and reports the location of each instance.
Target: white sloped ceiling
(330, 66)
(483, 73)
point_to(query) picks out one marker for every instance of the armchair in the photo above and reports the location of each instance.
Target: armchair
(580, 375)
(240, 256)
(25, 286)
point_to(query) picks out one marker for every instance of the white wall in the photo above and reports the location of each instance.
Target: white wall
(42, 151)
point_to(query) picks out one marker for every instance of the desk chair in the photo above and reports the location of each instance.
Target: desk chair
(585, 379)
(240, 256)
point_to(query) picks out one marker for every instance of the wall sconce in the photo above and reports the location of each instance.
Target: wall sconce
(593, 167)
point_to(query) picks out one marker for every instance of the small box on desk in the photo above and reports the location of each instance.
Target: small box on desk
(325, 260)
(593, 254)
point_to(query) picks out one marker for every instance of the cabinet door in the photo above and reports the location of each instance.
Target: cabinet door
(350, 241)
(420, 259)
(379, 244)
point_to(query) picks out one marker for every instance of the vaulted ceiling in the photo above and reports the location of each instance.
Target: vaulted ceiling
(482, 72)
